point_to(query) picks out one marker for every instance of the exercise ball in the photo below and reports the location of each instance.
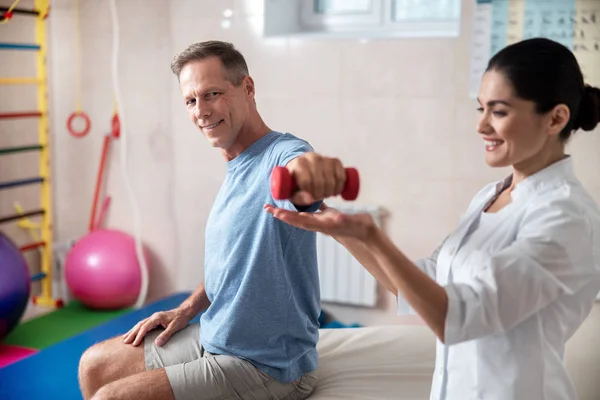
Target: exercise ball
(14, 285)
(102, 270)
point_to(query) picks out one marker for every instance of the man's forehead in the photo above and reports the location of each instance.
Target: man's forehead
(197, 77)
(200, 71)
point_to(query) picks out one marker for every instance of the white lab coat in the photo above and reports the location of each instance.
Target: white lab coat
(520, 282)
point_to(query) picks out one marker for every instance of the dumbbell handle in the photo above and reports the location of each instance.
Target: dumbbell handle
(283, 184)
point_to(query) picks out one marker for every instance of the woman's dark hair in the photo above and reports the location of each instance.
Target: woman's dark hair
(547, 73)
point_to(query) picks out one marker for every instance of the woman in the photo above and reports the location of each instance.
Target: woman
(507, 289)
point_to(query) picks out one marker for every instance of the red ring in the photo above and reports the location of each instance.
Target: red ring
(85, 130)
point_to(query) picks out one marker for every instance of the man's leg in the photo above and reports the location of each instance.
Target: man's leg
(180, 370)
(112, 360)
(208, 377)
(108, 361)
(149, 385)
(227, 378)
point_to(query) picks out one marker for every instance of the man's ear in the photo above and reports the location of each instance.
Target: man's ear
(558, 118)
(248, 84)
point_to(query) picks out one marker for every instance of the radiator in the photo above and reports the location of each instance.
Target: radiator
(343, 279)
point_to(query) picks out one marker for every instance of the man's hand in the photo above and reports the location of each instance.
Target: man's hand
(317, 177)
(172, 320)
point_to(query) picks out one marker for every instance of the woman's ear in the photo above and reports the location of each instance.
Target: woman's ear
(558, 118)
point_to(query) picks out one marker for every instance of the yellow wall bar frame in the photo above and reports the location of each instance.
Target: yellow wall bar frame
(20, 81)
(45, 298)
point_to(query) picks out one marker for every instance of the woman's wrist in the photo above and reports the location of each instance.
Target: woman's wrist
(374, 237)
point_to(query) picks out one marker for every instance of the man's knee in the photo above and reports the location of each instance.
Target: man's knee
(92, 361)
(111, 357)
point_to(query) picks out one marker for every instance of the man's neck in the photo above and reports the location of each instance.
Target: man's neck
(250, 133)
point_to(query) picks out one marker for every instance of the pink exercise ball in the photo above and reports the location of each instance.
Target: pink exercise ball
(102, 270)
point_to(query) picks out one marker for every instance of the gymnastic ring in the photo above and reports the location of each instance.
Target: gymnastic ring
(85, 130)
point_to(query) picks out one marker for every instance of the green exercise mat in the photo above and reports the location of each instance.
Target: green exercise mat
(59, 325)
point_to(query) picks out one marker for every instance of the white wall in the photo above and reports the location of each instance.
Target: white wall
(146, 89)
(397, 109)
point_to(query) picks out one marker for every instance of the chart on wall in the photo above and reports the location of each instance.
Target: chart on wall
(498, 23)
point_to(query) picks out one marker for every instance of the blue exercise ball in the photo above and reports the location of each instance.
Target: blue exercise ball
(14, 285)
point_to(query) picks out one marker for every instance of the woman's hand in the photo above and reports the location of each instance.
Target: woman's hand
(329, 221)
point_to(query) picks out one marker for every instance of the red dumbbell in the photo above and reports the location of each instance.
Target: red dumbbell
(283, 184)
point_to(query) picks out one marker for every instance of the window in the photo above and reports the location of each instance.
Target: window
(381, 18)
(425, 10)
(330, 15)
(343, 6)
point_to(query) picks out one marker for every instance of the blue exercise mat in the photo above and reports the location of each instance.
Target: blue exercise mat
(52, 373)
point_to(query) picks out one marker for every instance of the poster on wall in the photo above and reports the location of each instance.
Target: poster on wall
(498, 23)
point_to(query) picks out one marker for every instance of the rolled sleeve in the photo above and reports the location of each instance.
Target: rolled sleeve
(427, 265)
(552, 255)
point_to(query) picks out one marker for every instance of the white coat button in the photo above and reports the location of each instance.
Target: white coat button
(451, 251)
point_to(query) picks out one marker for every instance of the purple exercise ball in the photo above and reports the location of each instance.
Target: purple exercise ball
(14, 285)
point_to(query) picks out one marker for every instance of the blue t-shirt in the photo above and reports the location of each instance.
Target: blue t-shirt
(261, 274)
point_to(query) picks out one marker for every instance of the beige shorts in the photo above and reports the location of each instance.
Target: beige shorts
(195, 374)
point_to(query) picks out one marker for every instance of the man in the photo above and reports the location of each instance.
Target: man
(257, 337)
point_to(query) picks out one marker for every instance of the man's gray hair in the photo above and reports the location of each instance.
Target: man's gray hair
(234, 64)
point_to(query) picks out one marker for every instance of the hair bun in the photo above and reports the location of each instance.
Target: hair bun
(588, 116)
